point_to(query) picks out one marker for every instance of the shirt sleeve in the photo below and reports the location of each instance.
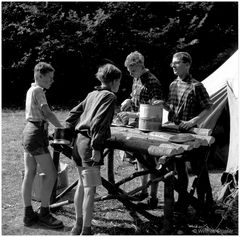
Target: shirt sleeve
(40, 97)
(156, 90)
(74, 115)
(202, 96)
(100, 129)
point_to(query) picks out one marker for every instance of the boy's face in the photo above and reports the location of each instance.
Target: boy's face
(135, 70)
(179, 67)
(46, 80)
(115, 85)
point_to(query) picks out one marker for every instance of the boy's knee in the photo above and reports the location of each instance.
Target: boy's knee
(89, 191)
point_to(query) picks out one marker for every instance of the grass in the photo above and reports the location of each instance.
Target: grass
(110, 217)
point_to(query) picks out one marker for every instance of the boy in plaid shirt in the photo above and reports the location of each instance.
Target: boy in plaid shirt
(146, 89)
(188, 103)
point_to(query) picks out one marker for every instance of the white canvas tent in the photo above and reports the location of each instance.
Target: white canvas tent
(222, 86)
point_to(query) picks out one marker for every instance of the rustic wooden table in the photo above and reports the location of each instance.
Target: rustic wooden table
(152, 144)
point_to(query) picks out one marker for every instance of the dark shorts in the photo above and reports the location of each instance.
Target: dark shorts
(82, 152)
(35, 138)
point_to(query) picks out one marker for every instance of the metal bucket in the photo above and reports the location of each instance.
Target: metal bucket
(150, 117)
(62, 136)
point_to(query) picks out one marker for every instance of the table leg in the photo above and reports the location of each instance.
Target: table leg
(112, 189)
(56, 156)
(110, 166)
(168, 204)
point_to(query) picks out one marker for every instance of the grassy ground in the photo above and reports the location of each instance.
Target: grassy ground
(110, 217)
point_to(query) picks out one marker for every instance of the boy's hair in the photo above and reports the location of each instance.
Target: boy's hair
(108, 72)
(134, 58)
(43, 68)
(184, 56)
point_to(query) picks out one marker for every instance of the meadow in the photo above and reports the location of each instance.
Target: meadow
(110, 217)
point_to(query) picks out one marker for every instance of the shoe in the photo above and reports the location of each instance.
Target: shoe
(152, 202)
(141, 196)
(50, 221)
(31, 219)
(76, 230)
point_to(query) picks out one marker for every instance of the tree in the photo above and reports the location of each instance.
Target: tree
(76, 37)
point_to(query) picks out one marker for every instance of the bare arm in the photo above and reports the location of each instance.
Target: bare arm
(51, 117)
(194, 121)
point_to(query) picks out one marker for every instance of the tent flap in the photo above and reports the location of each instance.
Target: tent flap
(233, 154)
(222, 87)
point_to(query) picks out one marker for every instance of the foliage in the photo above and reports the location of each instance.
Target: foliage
(75, 37)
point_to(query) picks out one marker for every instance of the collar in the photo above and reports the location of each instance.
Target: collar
(187, 78)
(101, 88)
(144, 76)
(34, 84)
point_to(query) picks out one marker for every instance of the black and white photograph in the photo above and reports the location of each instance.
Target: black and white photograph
(119, 118)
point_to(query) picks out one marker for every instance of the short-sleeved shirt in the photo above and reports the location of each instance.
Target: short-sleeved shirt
(94, 115)
(145, 89)
(187, 99)
(35, 99)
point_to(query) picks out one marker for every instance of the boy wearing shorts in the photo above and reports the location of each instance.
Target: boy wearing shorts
(35, 143)
(92, 119)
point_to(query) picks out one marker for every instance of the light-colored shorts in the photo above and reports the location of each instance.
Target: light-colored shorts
(91, 176)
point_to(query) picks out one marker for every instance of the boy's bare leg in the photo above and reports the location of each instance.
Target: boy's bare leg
(47, 167)
(78, 204)
(88, 205)
(29, 175)
(30, 217)
(79, 194)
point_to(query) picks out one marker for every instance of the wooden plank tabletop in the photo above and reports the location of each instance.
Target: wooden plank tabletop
(155, 143)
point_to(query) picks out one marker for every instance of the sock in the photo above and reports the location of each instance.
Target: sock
(44, 211)
(28, 210)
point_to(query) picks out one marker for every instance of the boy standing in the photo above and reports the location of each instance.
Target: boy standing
(35, 143)
(188, 102)
(91, 119)
(146, 89)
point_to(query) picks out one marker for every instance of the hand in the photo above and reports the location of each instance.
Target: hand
(96, 156)
(124, 117)
(126, 105)
(158, 102)
(186, 125)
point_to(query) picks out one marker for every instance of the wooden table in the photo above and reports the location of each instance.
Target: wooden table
(152, 144)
